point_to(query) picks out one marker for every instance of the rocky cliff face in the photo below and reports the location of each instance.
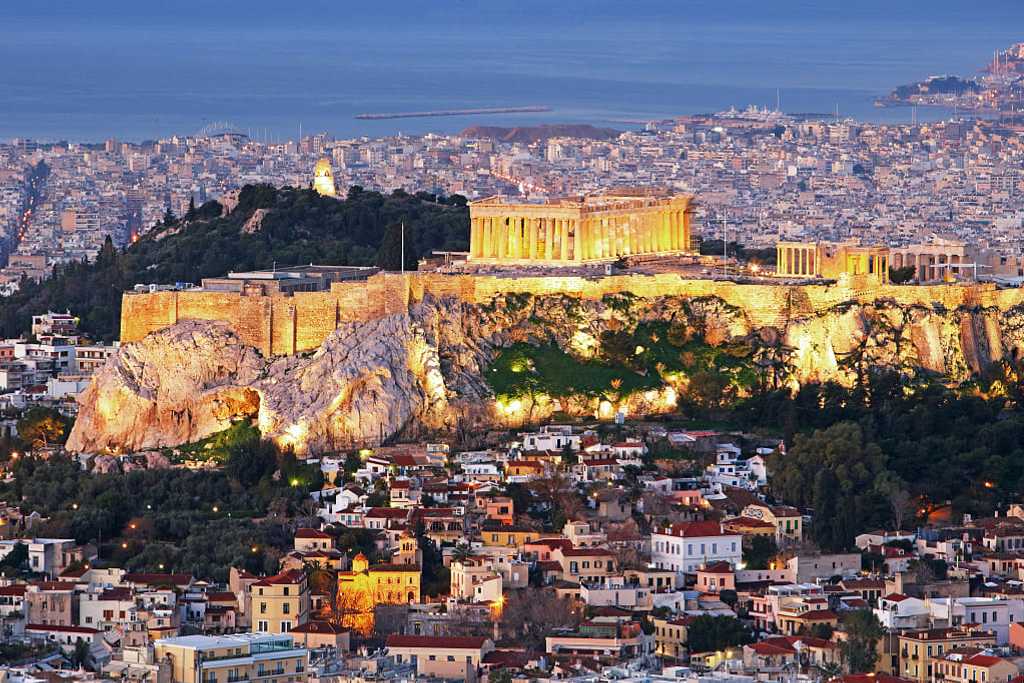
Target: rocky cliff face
(423, 372)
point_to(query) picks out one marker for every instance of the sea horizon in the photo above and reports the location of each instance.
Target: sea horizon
(134, 80)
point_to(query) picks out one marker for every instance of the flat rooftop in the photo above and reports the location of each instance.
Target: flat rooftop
(303, 271)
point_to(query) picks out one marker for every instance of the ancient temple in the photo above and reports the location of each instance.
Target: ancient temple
(573, 231)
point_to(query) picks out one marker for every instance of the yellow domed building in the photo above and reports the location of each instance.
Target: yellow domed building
(323, 178)
(366, 586)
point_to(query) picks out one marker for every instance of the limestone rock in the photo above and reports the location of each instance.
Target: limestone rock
(177, 385)
(420, 372)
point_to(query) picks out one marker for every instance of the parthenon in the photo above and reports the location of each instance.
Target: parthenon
(572, 231)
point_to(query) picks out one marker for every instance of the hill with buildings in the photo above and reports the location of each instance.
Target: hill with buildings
(268, 226)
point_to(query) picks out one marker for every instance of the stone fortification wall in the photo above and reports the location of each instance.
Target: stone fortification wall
(283, 325)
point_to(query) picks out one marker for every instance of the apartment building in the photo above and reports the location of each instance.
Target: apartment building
(242, 657)
(685, 547)
(280, 602)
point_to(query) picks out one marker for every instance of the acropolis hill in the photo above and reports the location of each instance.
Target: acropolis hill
(408, 354)
(606, 288)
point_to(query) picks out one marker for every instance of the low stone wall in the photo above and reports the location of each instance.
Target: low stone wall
(284, 325)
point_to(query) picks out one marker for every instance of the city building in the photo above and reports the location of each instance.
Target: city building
(685, 547)
(280, 602)
(254, 657)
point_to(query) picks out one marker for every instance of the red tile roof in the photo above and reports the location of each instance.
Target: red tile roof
(151, 579)
(317, 626)
(55, 627)
(289, 576)
(695, 529)
(311, 533)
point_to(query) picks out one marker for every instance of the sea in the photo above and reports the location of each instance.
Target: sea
(141, 69)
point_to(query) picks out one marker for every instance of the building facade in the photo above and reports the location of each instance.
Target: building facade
(254, 657)
(572, 231)
(831, 260)
(685, 547)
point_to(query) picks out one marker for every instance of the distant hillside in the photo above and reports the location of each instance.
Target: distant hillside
(296, 227)
(529, 134)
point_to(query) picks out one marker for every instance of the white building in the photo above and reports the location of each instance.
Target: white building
(551, 438)
(991, 614)
(730, 470)
(685, 547)
(897, 611)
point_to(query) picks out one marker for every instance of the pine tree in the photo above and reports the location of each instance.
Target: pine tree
(191, 213)
(169, 217)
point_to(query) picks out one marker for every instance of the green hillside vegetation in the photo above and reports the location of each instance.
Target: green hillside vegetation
(299, 227)
(628, 362)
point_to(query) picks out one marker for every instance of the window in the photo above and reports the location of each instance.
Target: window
(263, 608)
(286, 608)
(286, 590)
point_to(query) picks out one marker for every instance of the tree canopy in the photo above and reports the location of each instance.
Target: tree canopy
(296, 226)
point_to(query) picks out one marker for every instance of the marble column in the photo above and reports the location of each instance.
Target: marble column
(523, 247)
(577, 241)
(532, 239)
(485, 245)
(502, 239)
(564, 253)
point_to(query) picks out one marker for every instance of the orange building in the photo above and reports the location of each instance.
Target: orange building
(365, 587)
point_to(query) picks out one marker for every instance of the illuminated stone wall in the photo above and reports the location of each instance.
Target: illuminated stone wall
(282, 325)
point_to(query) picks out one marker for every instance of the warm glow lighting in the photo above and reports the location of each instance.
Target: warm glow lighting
(294, 482)
(254, 549)
(671, 397)
(989, 484)
(638, 350)
(124, 545)
(216, 509)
